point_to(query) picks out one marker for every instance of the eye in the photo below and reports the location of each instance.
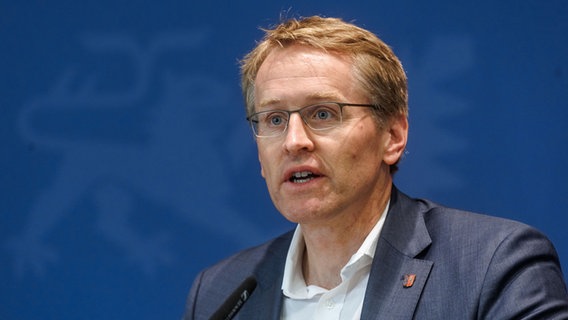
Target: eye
(323, 113)
(274, 119)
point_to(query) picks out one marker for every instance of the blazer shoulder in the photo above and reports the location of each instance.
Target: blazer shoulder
(264, 262)
(251, 259)
(459, 232)
(457, 222)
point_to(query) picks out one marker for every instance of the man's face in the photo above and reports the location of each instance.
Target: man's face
(315, 176)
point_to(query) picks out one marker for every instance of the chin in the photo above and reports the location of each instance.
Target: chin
(301, 215)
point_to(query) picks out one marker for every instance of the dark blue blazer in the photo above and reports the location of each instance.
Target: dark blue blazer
(464, 265)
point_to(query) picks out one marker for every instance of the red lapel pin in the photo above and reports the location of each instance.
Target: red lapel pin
(408, 280)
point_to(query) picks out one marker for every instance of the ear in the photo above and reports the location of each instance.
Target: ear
(396, 134)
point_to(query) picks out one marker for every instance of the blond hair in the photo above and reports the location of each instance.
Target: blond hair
(376, 68)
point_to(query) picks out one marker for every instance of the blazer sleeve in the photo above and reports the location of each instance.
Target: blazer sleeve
(189, 313)
(524, 280)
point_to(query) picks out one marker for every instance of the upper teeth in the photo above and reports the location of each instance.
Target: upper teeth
(302, 174)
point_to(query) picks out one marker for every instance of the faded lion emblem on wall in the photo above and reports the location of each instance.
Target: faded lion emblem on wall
(166, 152)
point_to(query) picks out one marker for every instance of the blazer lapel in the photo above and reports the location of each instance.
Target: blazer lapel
(397, 276)
(264, 303)
(266, 300)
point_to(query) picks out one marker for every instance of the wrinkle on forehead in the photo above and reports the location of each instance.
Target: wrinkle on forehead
(297, 76)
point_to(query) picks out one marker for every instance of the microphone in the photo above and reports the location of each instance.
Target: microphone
(235, 301)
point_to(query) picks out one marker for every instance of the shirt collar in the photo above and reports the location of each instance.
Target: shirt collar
(294, 285)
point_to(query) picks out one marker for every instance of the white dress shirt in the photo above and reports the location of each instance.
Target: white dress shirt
(343, 302)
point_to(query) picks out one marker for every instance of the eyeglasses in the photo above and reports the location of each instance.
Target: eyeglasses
(318, 117)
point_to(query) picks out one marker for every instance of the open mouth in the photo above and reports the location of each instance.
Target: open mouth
(302, 177)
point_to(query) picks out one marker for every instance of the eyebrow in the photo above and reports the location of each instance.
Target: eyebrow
(314, 97)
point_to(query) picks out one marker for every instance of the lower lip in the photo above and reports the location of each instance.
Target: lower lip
(302, 185)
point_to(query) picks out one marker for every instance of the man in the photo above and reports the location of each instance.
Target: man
(327, 102)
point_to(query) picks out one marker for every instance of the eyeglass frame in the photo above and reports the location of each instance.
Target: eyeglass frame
(289, 114)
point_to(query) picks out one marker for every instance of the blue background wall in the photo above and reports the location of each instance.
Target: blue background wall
(127, 165)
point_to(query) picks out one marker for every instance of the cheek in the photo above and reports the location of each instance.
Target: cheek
(363, 149)
(349, 159)
(264, 160)
(262, 171)
(262, 168)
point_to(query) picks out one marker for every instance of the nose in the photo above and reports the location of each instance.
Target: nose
(297, 137)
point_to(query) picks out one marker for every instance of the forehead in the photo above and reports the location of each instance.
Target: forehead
(299, 74)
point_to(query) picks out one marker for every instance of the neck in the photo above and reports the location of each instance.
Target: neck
(330, 245)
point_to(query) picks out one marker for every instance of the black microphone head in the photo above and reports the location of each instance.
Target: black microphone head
(236, 300)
